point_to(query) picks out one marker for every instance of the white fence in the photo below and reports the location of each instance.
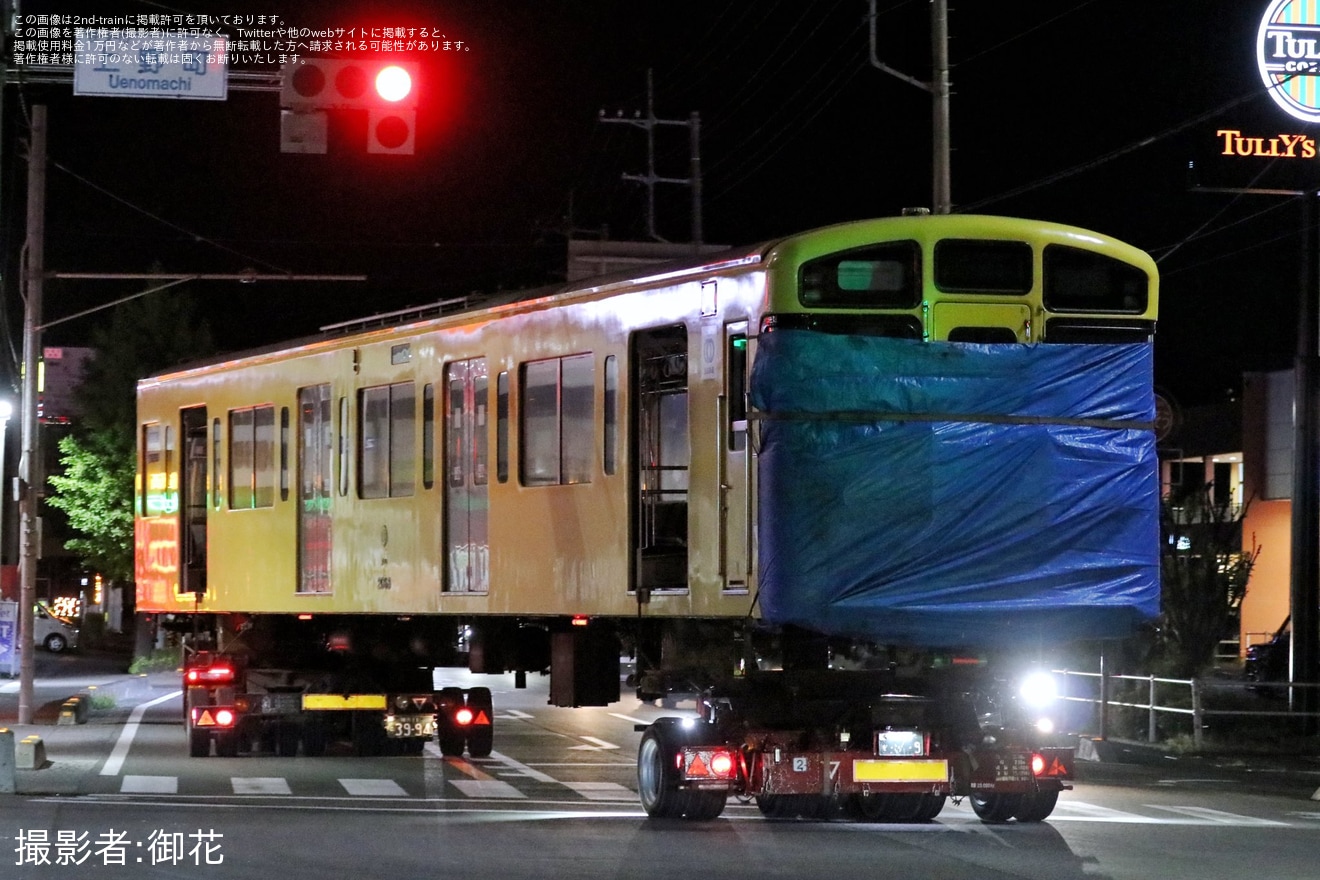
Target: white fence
(1102, 687)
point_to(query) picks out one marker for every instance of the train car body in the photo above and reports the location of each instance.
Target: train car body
(914, 431)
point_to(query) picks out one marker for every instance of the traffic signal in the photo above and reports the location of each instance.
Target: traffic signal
(385, 89)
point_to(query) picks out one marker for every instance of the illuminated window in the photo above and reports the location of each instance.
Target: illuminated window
(556, 421)
(879, 276)
(252, 458)
(611, 403)
(386, 453)
(158, 496)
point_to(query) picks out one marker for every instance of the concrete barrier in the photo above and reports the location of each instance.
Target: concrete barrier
(30, 753)
(8, 782)
(75, 710)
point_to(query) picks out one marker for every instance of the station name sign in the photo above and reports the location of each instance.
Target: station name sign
(150, 65)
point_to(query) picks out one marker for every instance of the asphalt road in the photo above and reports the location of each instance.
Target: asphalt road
(557, 799)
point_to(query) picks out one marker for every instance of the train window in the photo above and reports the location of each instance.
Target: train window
(387, 416)
(480, 441)
(502, 427)
(428, 435)
(284, 453)
(343, 446)
(973, 266)
(736, 392)
(216, 440)
(251, 457)
(1084, 281)
(557, 421)
(610, 440)
(155, 479)
(879, 276)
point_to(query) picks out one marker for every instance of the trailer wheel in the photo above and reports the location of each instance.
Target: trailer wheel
(450, 738)
(658, 780)
(1037, 806)
(286, 739)
(313, 738)
(226, 744)
(481, 737)
(199, 743)
(995, 807)
(931, 806)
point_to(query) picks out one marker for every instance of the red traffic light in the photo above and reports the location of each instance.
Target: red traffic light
(332, 84)
(393, 83)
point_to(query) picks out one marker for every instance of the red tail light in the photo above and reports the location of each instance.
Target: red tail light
(721, 765)
(209, 674)
(224, 718)
(706, 763)
(463, 717)
(1037, 763)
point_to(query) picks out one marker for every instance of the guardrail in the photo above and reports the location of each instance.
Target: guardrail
(1198, 712)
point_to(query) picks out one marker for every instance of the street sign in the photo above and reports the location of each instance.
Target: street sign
(8, 637)
(171, 65)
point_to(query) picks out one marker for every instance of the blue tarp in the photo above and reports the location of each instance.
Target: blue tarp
(946, 494)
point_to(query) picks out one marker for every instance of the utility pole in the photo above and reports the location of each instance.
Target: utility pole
(650, 178)
(29, 464)
(939, 88)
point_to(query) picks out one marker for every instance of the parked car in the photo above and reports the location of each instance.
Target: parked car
(55, 634)
(1268, 661)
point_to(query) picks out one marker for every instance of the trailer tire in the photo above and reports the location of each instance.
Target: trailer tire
(1037, 806)
(995, 808)
(286, 739)
(481, 737)
(226, 744)
(449, 737)
(199, 743)
(658, 780)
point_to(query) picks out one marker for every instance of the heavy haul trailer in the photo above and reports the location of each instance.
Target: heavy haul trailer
(886, 441)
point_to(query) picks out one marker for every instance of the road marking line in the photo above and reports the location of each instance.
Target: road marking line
(10, 688)
(524, 769)
(630, 718)
(515, 714)
(149, 785)
(487, 788)
(115, 762)
(260, 785)
(603, 791)
(1221, 818)
(373, 788)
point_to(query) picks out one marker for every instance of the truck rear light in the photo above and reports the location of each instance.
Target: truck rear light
(209, 674)
(463, 716)
(1037, 764)
(224, 718)
(707, 763)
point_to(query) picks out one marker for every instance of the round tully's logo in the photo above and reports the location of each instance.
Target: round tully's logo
(1288, 56)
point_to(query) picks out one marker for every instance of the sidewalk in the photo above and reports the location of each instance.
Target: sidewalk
(1125, 761)
(75, 751)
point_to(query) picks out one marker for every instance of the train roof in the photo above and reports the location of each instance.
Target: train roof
(733, 257)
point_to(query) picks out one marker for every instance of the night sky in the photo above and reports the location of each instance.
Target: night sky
(1081, 112)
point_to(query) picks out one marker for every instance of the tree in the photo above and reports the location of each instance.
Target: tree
(1204, 572)
(95, 489)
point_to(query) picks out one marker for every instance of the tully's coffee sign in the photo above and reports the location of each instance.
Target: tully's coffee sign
(1288, 59)
(1288, 56)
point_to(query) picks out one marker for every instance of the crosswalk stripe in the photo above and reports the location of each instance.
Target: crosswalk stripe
(487, 788)
(373, 788)
(1220, 817)
(149, 785)
(260, 785)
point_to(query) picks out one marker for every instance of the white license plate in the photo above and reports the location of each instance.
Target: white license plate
(410, 725)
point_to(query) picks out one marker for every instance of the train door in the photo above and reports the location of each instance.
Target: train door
(467, 546)
(661, 454)
(981, 322)
(192, 503)
(315, 483)
(735, 473)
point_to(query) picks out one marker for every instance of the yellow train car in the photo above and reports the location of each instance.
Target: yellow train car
(587, 452)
